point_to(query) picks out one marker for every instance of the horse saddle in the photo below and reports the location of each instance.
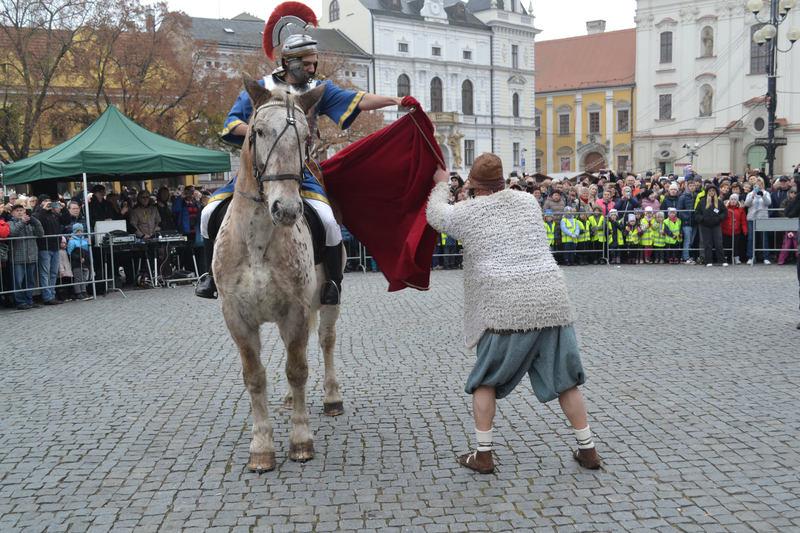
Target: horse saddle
(318, 236)
(315, 226)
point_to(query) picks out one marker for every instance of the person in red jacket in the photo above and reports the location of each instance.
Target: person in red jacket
(734, 231)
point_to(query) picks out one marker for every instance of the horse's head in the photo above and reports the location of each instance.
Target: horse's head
(274, 150)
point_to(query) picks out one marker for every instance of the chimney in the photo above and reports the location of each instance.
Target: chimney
(150, 20)
(595, 26)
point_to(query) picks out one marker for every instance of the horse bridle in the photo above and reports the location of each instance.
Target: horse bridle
(291, 121)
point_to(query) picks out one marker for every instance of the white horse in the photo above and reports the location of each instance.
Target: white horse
(265, 272)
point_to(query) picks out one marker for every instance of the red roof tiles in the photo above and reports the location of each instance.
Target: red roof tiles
(597, 60)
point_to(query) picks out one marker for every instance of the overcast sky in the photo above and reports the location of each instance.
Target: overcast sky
(556, 20)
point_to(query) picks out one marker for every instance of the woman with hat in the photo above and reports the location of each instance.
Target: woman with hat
(517, 328)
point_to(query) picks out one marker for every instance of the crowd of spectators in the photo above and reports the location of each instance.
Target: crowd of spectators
(662, 218)
(622, 218)
(46, 243)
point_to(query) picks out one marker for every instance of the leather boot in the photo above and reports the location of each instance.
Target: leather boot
(332, 289)
(480, 462)
(206, 287)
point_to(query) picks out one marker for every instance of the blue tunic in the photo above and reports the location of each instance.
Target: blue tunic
(340, 105)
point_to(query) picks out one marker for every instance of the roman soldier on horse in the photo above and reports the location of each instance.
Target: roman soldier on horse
(296, 74)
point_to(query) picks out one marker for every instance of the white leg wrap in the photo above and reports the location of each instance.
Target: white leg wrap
(333, 233)
(205, 216)
(584, 438)
(484, 440)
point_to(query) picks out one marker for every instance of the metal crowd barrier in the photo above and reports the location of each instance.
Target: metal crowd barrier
(108, 264)
(774, 229)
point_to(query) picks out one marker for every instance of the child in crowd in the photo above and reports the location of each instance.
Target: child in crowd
(64, 272)
(658, 236)
(647, 235)
(673, 235)
(449, 245)
(632, 233)
(78, 250)
(615, 237)
(570, 231)
(584, 242)
(552, 230)
(734, 231)
(597, 231)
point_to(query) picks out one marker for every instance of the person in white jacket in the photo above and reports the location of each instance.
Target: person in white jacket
(518, 328)
(758, 201)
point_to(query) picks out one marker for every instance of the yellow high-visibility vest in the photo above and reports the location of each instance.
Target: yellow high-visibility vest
(551, 232)
(571, 224)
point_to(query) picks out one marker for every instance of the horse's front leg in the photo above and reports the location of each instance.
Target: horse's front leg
(295, 336)
(288, 403)
(247, 339)
(332, 404)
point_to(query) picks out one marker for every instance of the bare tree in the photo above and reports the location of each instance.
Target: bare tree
(145, 61)
(37, 38)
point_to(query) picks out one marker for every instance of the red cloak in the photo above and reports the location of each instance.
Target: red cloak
(382, 183)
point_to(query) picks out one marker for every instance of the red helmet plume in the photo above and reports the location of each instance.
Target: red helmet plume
(286, 9)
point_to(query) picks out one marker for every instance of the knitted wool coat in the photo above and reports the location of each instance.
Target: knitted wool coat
(496, 258)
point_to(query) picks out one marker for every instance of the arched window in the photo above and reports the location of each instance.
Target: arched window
(436, 95)
(403, 85)
(515, 105)
(466, 97)
(666, 47)
(334, 10)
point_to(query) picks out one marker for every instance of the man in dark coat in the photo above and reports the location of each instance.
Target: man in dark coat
(48, 247)
(99, 207)
(627, 203)
(685, 206)
(164, 207)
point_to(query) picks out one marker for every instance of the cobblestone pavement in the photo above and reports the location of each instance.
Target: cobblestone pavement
(140, 420)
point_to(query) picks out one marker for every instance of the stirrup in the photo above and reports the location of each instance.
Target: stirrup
(330, 297)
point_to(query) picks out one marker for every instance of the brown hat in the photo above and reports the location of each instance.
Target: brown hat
(486, 174)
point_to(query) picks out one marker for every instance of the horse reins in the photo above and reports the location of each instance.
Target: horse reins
(291, 121)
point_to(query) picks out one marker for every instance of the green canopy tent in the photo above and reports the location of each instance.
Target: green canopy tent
(116, 146)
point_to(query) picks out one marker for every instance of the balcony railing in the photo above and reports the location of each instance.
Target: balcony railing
(444, 118)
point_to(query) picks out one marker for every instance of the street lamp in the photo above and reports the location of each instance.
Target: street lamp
(778, 11)
(692, 151)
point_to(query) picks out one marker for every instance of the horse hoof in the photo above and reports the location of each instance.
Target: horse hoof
(261, 462)
(288, 404)
(300, 453)
(333, 409)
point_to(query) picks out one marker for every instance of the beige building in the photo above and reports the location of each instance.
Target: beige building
(470, 65)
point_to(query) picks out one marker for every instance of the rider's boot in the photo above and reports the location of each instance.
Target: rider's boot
(332, 288)
(206, 287)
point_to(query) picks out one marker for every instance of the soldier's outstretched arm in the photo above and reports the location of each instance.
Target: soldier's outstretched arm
(373, 101)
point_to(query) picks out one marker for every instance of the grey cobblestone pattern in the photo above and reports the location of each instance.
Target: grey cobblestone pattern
(140, 422)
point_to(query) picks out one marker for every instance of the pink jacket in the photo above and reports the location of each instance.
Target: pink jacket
(655, 204)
